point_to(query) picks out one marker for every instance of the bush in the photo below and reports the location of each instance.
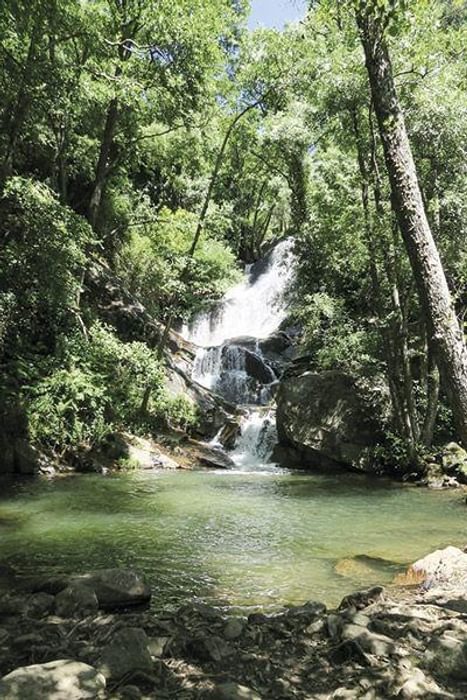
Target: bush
(96, 386)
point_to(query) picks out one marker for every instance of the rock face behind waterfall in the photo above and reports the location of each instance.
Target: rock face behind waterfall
(327, 419)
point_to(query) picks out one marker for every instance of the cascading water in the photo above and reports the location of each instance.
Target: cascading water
(257, 439)
(255, 307)
(230, 361)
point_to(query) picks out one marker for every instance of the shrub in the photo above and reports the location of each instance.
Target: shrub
(93, 387)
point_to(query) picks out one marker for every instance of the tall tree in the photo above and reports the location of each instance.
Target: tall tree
(407, 201)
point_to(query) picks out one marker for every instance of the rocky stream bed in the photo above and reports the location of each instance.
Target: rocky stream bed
(91, 636)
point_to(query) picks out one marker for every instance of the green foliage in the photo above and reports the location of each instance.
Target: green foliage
(152, 260)
(180, 412)
(332, 338)
(95, 386)
(41, 260)
(148, 90)
(68, 409)
(127, 464)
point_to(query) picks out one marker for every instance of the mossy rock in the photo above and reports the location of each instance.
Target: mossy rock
(454, 461)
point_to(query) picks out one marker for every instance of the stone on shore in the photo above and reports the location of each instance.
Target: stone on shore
(56, 680)
(444, 567)
(115, 588)
(76, 601)
(233, 691)
(127, 653)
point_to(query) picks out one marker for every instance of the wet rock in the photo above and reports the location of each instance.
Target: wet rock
(56, 680)
(256, 367)
(361, 599)
(10, 605)
(233, 691)
(76, 601)
(275, 344)
(307, 612)
(115, 588)
(127, 653)
(230, 432)
(210, 456)
(234, 628)
(39, 605)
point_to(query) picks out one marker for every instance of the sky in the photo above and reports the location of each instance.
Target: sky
(275, 13)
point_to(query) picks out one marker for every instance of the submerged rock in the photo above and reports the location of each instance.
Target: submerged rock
(230, 432)
(56, 680)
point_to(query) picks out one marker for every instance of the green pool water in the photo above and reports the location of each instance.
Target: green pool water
(241, 540)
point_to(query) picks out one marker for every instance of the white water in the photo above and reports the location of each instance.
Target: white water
(257, 440)
(254, 308)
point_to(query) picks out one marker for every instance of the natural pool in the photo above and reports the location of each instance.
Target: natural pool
(231, 538)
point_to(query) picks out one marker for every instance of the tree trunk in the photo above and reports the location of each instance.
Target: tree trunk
(16, 115)
(394, 342)
(432, 287)
(103, 162)
(432, 396)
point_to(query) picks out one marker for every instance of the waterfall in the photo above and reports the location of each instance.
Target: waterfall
(229, 360)
(257, 440)
(255, 307)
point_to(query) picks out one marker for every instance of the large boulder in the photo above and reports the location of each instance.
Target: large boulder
(115, 588)
(445, 568)
(56, 680)
(454, 462)
(205, 455)
(327, 419)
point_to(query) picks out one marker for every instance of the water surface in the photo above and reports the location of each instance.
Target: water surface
(233, 539)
